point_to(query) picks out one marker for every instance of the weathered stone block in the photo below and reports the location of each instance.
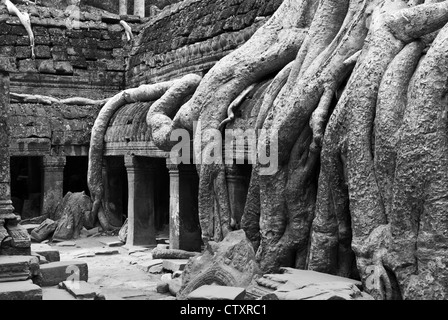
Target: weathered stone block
(163, 287)
(63, 67)
(175, 265)
(21, 290)
(18, 268)
(45, 229)
(55, 272)
(80, 289)
(52, 255)
(210, 292)
(43, 52)
(146, 265)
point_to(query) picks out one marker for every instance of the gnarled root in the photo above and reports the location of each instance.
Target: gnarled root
(160, 114)
(94, 174)
(24, 18)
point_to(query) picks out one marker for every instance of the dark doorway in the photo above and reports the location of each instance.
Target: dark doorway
(75, 175)
(162, 199)
(26, 190)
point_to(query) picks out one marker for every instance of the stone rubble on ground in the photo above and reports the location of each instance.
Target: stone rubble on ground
(214, 292)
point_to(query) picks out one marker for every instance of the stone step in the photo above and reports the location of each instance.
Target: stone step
(80, 289)
(51, 254)
(18, 268)
(210, 292)
(20, 290)
(55, 272)
(175, 264)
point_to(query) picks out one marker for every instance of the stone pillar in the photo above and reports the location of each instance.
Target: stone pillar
(185, 232)
(14, 239)
(141, 228)
(237, 189)
(113, 188)
(6, 208)
(52, 184)
(123, 9)
(139, 8)
(174, 206)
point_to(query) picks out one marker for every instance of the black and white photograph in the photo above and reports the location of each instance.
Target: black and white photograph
(223, 158)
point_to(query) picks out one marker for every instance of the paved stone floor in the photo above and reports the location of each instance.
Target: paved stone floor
(119, 276)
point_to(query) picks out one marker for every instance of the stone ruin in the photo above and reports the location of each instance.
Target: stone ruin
(55, 86)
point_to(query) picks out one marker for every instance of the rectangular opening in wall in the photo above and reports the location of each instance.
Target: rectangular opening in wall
(26, 189)
(75, 175)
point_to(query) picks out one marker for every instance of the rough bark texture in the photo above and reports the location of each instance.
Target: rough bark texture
(358, 104)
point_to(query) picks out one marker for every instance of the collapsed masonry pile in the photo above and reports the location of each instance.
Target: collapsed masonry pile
(24, 277)
(73, 220)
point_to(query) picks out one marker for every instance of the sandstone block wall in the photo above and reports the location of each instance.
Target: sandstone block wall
(192, 35)
(86, 58)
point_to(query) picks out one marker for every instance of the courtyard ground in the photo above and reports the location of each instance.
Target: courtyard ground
(118, 276)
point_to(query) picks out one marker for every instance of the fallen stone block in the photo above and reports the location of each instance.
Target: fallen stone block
(20, 290)
(18, 268)
(53, 294)
(30, 227)
(172, 254)
(44, 230)
(80, 289)
(319, 291)
(52, 255)
(156, 269)
(174, 265)
(148, 264)
(106, 252)
(83, 254)
(42, 259)
(66, 244)
(174, 286)
(113, 244)
(55, 272)
(163, 287)
(210, 292)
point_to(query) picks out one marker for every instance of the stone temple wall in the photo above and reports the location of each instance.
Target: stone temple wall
(192, 35)
(94, 60)
(86, 58)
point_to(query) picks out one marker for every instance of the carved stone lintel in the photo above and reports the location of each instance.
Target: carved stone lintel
(53, 163)
(19, 235)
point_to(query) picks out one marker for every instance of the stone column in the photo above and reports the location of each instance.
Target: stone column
(237, 189)
(185, 232)
(141, 228)
(123, 9)
(52, 184)
(174, 206)
(139, 8)
(14, 239)
(113, 188)
(6, 208)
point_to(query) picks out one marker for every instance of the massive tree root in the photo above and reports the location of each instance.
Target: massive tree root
(358, 119)
(94, 175)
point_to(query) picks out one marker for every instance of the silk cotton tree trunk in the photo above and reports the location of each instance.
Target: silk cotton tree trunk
(358, 108)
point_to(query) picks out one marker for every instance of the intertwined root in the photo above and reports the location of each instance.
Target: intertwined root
(355, 157)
